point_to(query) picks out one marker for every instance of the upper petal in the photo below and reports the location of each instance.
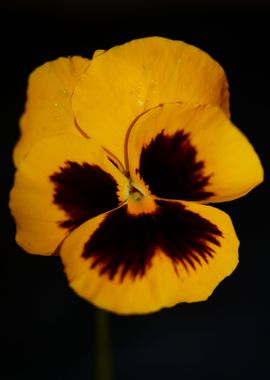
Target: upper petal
(126, 80)
(48, 109)
(64, 181)
(140, 263)
(191, 152)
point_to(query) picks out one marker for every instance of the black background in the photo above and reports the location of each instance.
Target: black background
(46, 330)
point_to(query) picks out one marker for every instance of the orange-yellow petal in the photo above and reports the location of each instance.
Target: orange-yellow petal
(191, 152)
(126, 80)
(98, 52)
(48, 109)
(123, 262)
(63, 181)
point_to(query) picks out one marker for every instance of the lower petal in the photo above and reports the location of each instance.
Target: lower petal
(104, 277)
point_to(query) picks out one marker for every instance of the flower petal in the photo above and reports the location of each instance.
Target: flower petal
(64, 181)
(48, 109)
(135, 264)
(126, 80)
(191, 152)
(98, 52)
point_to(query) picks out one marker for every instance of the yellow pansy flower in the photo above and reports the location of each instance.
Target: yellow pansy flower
(117, 159)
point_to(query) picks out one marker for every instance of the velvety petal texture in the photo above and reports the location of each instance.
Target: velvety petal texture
(117, 158)
(191, 152)
(128, 79)
(48, 109)
(63, 181)
(164, 281)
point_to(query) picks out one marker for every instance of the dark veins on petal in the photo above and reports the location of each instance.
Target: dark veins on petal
(170, 168)
(126, 244)
(83, 191)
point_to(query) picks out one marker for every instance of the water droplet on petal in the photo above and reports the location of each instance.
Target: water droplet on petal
(153, 86)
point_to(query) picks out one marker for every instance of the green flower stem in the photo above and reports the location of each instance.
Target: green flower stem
(103, 352)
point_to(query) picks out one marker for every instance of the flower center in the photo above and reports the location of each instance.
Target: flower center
(139, 202)
(136, 196)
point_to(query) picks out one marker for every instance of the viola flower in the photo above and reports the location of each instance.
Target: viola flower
(117, 159)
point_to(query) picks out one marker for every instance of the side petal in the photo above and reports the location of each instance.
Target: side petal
(128, 79)
(64, 181)
(48, 109)
(191, 152)
(132, 264)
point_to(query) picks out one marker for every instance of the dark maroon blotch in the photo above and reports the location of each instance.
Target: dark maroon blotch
(126, 244)
(170, 168)
(83, 191)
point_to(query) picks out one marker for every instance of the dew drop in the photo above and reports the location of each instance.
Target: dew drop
(153, 86)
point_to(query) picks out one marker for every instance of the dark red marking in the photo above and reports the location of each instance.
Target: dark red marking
(170, 168)
(83, 191)
(126, 243)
